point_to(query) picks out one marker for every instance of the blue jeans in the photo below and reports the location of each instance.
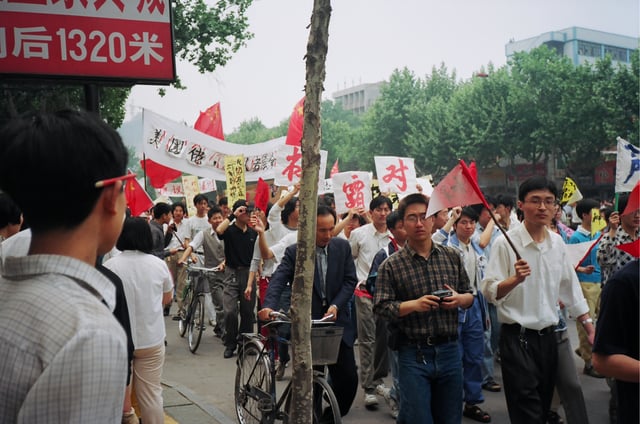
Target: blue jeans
(431, 384)
(471, 341)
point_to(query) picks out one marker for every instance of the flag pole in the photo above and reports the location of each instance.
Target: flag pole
(144, 170)
(504, 232)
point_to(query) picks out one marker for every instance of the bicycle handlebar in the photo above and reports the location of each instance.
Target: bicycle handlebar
(280, 317)
(203, 269)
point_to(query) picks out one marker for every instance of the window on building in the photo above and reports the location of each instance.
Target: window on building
(589, 49)
(616, 53)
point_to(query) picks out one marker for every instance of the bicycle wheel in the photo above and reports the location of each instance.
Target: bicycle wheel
(196, 323)
(253, 384)
(325, 404)
(185, 313)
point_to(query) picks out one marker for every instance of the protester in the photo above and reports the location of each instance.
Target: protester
(526, 292)
(64, 354)
(180, 238)
(429, 361)
(365, 242)
(334, 281)
(148, 287)
(10, 217)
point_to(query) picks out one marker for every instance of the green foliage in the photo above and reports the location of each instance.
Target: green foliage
(253, 131)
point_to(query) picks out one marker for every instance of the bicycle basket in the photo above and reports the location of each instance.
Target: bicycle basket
(325, 344)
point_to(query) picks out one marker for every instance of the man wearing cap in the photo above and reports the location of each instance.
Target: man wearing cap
(239, 239)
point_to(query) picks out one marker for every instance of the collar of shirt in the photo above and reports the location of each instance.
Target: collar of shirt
(35, 265)
(583, 230)
(526, 238)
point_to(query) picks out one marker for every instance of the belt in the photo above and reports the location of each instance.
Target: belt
(429, 341)
(517, 328)
(241, 268)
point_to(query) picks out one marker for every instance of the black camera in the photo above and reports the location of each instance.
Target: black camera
(442, 293)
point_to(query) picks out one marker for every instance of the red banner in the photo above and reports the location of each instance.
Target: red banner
(79, 39)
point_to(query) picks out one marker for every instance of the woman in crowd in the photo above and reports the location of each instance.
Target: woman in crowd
(148, 286)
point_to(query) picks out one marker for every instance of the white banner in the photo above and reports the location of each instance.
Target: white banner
(176, 190)
(627, 166)
(351, 190)
(288, 169)
(396, 175)
(180, 147)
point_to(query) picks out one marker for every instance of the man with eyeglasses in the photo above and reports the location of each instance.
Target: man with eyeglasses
(365, 242)
(526, 291)
(419, 290)
(64, 355)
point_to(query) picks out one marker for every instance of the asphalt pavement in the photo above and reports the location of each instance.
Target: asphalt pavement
(198, 388)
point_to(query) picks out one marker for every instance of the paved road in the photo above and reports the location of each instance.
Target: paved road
(199, 388)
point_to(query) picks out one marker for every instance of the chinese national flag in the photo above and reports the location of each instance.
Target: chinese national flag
(334, 169)
(210, 122)
(456, 189)
(296, 124)
(262, 195)
(159, 175)
(138, 200)
(633, 204)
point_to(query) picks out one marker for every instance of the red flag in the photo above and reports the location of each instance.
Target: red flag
(474, 171)
(632, 248)
(210, 122)
(633, 204)
(334, 169)
(138, 200)
(261, 200)
(158, 174)
(296, 124)
(456, 189)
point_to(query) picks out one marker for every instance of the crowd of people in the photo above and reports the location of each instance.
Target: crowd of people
(433, 302)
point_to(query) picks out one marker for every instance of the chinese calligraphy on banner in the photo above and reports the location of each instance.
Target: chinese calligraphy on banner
(179, 147)
(205, 185)
(191, 188)
(351, 190)
(234, 170)
(396, 175)
(112, 40)
(288, 168)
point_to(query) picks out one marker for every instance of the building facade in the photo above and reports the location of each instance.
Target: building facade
(359, 98)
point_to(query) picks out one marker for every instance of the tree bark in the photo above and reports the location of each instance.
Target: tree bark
(302, 288)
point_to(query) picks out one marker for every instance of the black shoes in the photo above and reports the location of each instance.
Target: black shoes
(491, 386)
(228, 353)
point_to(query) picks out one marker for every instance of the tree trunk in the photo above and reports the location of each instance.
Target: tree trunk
(302, 288)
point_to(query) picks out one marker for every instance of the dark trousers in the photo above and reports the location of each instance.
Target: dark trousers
(529, 364)
(343, 377)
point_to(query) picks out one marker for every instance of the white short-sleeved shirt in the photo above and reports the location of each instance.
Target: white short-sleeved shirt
(145, 279)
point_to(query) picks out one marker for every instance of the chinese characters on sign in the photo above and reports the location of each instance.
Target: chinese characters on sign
(114, 40)
(234, 171)
(351, 190)
(288, 167)
(396, 175)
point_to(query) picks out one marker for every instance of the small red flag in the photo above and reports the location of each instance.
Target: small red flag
(262, 195)
(632, 248)
(474, 171)
(296, 124)
(138, 200)
(159, 175)
(334, 169)
(633, 204)
(456, 189)
(210, 122)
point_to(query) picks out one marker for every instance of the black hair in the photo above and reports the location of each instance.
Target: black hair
(214, 210)
(504, 199)
(324, 210)
(9, 212)
(135, 235)
(392, 219)
(178, 204)
(359, 217)
(45, 155)
(160, 209)
(288, 209)
(327, 199)
(411, 199)
(585, 206)
(536, 183)
(469, 212)
(223, 201)
(379, 201)
(623, 199)
(199, 198)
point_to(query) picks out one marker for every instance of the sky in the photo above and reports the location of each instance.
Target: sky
(368, 39)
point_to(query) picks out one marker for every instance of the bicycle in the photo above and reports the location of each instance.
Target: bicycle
(255, 386)
(192, 318)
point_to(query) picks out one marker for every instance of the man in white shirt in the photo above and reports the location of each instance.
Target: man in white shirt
(526, 293)
(180, 236)
(64, 355)
(365, 242)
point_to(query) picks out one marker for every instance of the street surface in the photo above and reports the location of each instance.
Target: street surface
(199, 388)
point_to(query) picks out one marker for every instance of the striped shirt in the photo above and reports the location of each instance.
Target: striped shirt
(64, 355)
(407, 276)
